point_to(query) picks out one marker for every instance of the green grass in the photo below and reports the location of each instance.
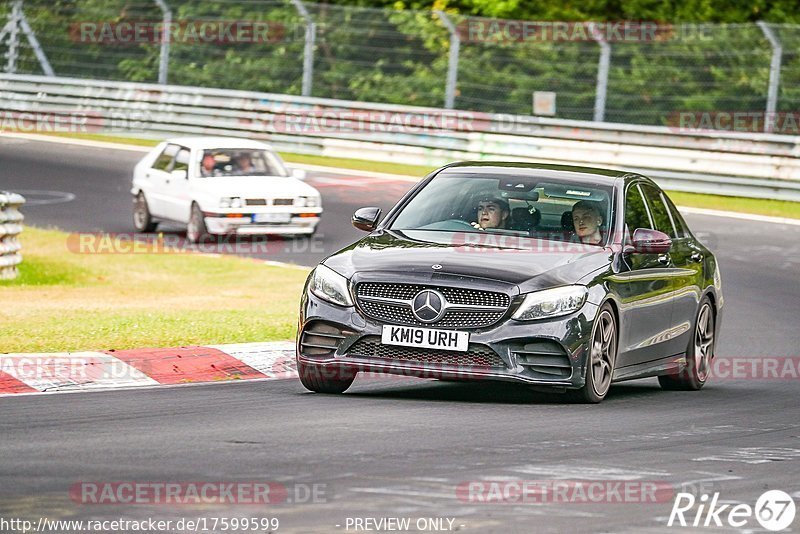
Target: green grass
(776, 208)
(68, 301)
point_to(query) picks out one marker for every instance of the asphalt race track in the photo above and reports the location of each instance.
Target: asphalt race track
(396, 447)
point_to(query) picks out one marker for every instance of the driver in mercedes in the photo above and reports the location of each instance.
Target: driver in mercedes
(492, 213)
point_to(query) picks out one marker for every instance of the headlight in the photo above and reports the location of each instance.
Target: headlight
(330, 285)
(551, 303)
(230, 202)
(307, 202)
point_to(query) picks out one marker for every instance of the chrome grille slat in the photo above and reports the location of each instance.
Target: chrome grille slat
(469, 308)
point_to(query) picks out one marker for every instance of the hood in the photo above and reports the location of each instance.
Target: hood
(254, 186)
(530, 264)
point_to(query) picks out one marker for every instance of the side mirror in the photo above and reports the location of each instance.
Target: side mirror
(179, 174)
(646, 241)
(366, 218)
(299, 174)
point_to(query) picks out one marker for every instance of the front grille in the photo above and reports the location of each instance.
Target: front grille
(255, 202)
(454, 295)
(400, 313)
(283, 202)
(476, 356)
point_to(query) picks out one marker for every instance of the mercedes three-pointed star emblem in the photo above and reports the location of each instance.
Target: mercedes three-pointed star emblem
(428, 306)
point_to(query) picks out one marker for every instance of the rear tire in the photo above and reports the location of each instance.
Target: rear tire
(142, 220)
(196, 229)
(600, 360)
(699, 353)
(332, 380)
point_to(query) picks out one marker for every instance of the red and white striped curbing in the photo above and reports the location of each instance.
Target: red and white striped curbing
(78, 371)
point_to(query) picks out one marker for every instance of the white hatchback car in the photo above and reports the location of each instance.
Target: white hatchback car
(220, 185)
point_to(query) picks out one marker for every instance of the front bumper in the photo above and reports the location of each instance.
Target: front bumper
(245, 226)
(548, 353)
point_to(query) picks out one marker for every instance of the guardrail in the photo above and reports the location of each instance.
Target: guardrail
(10, 228)
(727, 163)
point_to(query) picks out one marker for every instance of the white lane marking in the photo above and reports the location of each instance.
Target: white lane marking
(79, 142)
(55, 197)
(355, 172)
(741, 216)
(753, 455)
(568, 472)
(273, 359)
(72, 370)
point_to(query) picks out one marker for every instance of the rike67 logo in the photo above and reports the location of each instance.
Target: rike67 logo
(774, 510)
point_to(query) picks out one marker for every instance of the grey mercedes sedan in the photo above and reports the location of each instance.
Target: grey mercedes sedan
(563, 277)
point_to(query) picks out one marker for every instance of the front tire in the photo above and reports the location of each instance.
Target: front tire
(333, 380)
(601, 359)
(142, 220)
(196, 229)
(699, 354)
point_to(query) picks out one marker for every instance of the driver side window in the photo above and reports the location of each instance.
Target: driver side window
(636, 215)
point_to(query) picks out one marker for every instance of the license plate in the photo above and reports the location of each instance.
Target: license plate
(272, 217)
(409, 336)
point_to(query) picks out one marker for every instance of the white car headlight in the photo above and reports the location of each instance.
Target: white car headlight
(230, 202)
(307, 202)
(551, 303)
(330, 285)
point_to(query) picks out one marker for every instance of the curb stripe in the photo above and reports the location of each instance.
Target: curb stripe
(62, 371)
(273, 360)
(187, 364)
(10, 384)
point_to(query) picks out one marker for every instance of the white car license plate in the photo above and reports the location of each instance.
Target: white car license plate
(272, 217)
(409, 336)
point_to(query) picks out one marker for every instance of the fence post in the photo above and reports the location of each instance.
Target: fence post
(163, 63)
(602, 73)
(308, 49)
(774, 75)
(10, 228)
(452, 60)
(12, 28)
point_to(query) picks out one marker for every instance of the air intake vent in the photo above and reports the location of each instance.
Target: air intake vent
(544, 359)
(321, 339)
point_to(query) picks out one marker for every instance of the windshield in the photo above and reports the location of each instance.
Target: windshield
(524, 206)
(240, 162)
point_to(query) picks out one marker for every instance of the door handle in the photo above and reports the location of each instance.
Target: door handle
(697, 257)
(663, 259)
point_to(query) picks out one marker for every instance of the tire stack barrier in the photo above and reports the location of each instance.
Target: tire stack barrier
(10, 228)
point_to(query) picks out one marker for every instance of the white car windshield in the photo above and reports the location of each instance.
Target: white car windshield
(240, 162)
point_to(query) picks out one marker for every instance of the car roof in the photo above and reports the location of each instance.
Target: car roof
(544, 170)
(200, 142)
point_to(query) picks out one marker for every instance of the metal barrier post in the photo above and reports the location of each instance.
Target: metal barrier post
(10, 228)
(308, 49)
(163, 63)
(602, 73)
(774, 75)
(452, 61)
